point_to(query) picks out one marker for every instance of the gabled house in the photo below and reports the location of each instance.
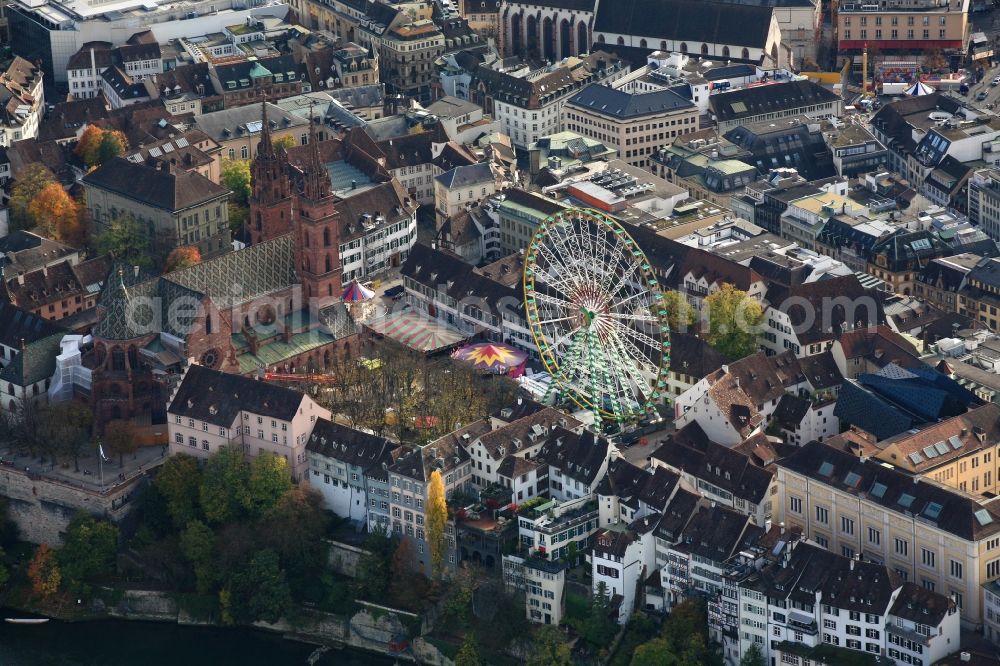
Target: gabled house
(722, 475)
(737, 401)
(340, 459)
(696, 562)
(807, 318)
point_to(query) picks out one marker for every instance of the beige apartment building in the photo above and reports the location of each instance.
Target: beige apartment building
(903, 26)
(960, 452)
(635, 124)
(213, 409)
(407, 55)
(483, 16)
(942, 539)
(175, 207)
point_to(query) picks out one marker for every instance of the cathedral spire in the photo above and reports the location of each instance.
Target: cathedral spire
(317, 180)
(266, 148)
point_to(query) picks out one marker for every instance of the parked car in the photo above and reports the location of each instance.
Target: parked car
(995, 82)
(981, 96)
(395, 292)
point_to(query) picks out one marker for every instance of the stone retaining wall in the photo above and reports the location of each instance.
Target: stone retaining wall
(43, 507)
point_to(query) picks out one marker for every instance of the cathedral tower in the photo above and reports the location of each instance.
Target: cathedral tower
(317, 230)
(271, 206)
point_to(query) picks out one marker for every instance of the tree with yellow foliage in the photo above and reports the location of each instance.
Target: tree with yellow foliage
(437, 518)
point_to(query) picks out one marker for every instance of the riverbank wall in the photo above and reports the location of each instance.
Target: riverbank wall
(377, 630)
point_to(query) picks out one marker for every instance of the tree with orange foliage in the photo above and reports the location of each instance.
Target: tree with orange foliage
(44, 572)
(86, 147)
(56, 214)
(181, 257)
(96, 146)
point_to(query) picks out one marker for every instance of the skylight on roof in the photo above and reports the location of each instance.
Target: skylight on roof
(878, 490)
(941, 448)
(916, 458)
(906, 499)
(983, 517)
(254, 126)
(826, 469)
(956, 443)
(852, 479)
(933, 510)
(921, 244)
(930, 452)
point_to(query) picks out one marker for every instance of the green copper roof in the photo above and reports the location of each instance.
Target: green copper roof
(258, 71)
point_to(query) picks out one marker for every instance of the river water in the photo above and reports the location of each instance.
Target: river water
(126, 643)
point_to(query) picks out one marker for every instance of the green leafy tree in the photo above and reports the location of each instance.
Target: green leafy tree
(437, 518)
(600, 628)
(179, 480)
(269, 480)
(235, 175)
(126, 240)
(260, 591)
(294, 529)
(753, 657)
(681, 315)
(111, 146)
(224, 486)
(733, 321)
(238, 215)
(375, 567)
(458, 608)
(198, 546)
(549, 648)
(88, 551)
(656, 652)
(285, 142)
(469, 654)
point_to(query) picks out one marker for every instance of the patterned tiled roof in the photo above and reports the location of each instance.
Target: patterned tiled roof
(118, 322)
(230, 280)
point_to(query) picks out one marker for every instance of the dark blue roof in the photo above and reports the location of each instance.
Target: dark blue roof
(886, 405)
(608, 101)
(861, 407)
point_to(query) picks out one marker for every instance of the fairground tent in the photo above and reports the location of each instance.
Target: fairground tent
(418, 332)
(493, 357)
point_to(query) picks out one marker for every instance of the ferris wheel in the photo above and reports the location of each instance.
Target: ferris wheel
(597, 315)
